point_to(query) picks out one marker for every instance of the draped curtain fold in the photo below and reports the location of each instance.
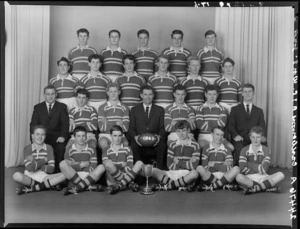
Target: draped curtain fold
(260, 41)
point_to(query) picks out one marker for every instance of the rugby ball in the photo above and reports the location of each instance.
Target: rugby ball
(147, 139)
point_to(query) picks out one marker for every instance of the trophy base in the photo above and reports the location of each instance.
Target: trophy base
(147, 191)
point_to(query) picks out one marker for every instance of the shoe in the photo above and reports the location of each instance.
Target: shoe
(23, 189)
(133, 187)
(274, 189)
(188, 188)
(113, 189)
(70, 190)
(159, 187)
(231, 187)
(249, 191)
(96, 188)
(57, 188)
(204, 187)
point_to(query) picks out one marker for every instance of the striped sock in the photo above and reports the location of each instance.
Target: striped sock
(210, 180)
(165, 180)
(75, 179)
(220, 182)
(83, 184)
(42, 186)
(177, 183)
(33, 182)
(262, 186)
(118, 175)
(128, 177)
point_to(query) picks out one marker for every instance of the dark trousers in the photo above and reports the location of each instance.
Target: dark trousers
(59, 151)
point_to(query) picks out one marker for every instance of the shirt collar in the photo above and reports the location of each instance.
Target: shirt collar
(189, 77)
(90, 75)
(147, 106)
(206, 49)
(245, 104)
(87, 46)
(49, 104)
(134, 74)
(180, 50)
(139, 48)
(33, 147)
(189, 142)
(223, 77)
(110, 104)
(77, 108)
(74, 146)
(222, 147)
(157, 75)
(206, 105)
(111, 147)
(69, 77)
(118, 49)
(175, 105)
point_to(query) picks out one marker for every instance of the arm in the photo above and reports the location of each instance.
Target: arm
(34, 119)
(194, 161)
(170, 158)
(93, 161)
(102, 121)
(227, 165)
(201, 124)
(192, 118)
(168, 121)
(232, 123)
(262, 122)
(240, 98)
(243, 162)
(49, 167)
(129, 158)
(64, 121)
(71, 121)
(132, 125)
(161, 131)
(125, 119)
(94, 120)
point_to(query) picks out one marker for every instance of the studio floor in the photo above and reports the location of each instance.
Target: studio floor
(163, 207)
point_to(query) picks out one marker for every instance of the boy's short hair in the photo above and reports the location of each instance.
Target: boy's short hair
(129, 57)
(34, 128)
(49, 87)
(182, 124)
(95, 56)
(147, 87)
(179, 87)
(83, 30)
(110, 84)
(257, 130)
(191, 58)
(114, 31)
(143, 31)
(177, 31)
(79, 129)
(228, 60)
(211, 88)
(65, 60)
(210, 32)
(219, 128)
(116, 128)
(248, 85)
(82, 91)
(163, 56)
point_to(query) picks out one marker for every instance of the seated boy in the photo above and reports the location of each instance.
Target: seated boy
(216, 170)
(254, 163)
(182, 160)
(118, 162)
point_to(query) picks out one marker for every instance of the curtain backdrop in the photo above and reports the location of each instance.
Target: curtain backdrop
(26, 73)
(260, 41)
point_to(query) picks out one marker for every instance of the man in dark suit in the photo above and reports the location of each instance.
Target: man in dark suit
(242, 118)
(54, 116)
(148, 118)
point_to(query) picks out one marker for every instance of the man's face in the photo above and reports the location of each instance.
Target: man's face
(163, 65)
(129, 65)
(248, 94)
(194, 67)
(211, 96)
(80, 138)
(210, 40)
(83, 38)
(50, 95)
(38, 137)
(183, 133)
(114, 38)
(255, 139)
(63, 68)
(95, 64)
(217, 136)
(81, 100)
(177, 40)
(147, 96)
(113, 93)
(228, 68)
(143, 40)
(179, 96)
(116, 137)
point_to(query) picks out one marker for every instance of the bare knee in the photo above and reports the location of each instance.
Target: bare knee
(280, 175)
(63, 165)
(18, 177)
(236, 170)
(239, 177)
(201, 170)
(103, 143)
(139, 164)
(194, 174)
(108, 165)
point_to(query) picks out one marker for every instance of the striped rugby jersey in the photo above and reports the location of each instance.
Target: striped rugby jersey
(230, 91)
(183, 152)
(173, 112)
(251, 162)
(79, 59)
(218, 156)
(65, 87)
(83, 115)
(210, 117)
(112, 114)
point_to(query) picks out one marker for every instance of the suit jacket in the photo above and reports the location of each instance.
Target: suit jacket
(57, 123)
(240, 123)
(139, 123)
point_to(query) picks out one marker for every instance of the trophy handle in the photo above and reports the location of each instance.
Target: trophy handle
(154, 164)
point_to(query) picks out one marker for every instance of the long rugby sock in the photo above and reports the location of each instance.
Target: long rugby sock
(165, 180)
(210, 180)
(262, 186)
(83, 184)
(177, 183)
(42, 186)
(128, 177)
(75, 179)
(220, 182)
(118, 175)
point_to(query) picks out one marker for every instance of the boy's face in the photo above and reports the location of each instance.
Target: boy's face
(163, 65)
(63, 68)
(228, 68)
(95, 64)
(194, 67)
(113, 93)
(81, 100)
(116, 137)
(217, 136)
(147, 96)
(83, 38)
(183, 133)
(38, 137)
(179, 96)
(210, 40)
(114, 38)
(177, 40)
(211, 96)
(80, 138)
(248, 94)
(129, 65)
(255, 139)
(143, 40)
(50, 95)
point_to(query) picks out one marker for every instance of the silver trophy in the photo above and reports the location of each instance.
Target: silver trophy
(148, 171)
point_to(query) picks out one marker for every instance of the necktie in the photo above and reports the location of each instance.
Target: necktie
(50, 108)
(248, 110)
(147, 112)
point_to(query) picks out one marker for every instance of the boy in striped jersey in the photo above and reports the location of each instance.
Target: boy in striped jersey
(230, 90)
(211, 58)
(179, 111)
(79, 54)
(145, 57)
(194, 84)
(113, 56)
(163, 83)
(95, 82)
(254, 163)
(216, 170)
(177, 56)
(182, 160)
(130, 83)
(83, 115)
(64, 83)
(118, 162)
(111, 113)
